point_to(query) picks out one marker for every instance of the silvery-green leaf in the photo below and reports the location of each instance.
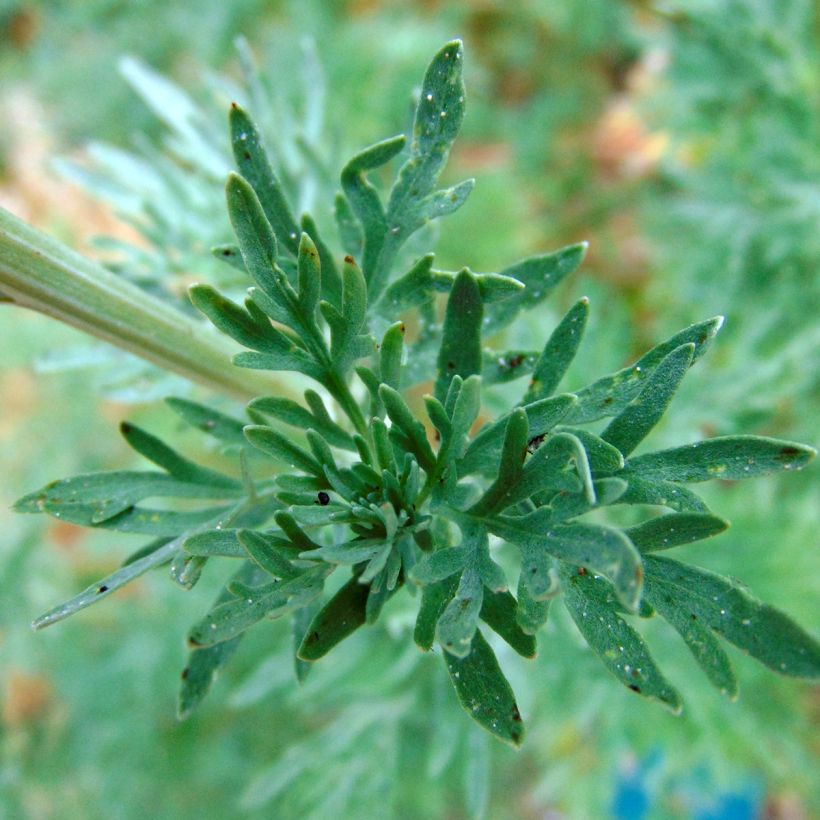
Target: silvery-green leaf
(484, 692)
(762, 631)
(617, 644)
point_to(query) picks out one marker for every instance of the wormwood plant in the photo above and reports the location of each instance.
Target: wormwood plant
(354, 480)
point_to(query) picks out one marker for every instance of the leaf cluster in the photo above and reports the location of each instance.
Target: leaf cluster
(353, 496)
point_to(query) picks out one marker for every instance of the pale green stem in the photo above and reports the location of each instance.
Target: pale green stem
(41, 273)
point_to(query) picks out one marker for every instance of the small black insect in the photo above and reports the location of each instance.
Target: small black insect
(323, 498)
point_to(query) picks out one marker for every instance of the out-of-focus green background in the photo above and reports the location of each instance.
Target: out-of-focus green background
(681, 140)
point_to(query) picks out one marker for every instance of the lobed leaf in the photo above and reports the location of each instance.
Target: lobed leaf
(173, 463)
(760, 630)
(540, 275)
(611, 394)
(630, 427)
(316, 418)
(253, 164)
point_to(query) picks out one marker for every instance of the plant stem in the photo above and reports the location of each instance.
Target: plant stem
(39, 272)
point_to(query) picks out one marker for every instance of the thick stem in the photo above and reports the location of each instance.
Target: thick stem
(39, 272)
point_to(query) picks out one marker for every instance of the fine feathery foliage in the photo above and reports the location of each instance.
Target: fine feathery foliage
(358, 493)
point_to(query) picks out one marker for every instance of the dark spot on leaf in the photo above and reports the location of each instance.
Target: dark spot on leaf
(450, 365)
(516, 715)
(634, 688)
(102, 588)
(702, 338)
(323, 498)
(246, 154)
(608, 400)
(402, 328)
(515, 361)
(226, 253)
(693, 616)
(126, 427)
(350, 260)
(582, 570)
(788, 453)
(234, 106)
(313, 637)
(185, 672)
(437, 435)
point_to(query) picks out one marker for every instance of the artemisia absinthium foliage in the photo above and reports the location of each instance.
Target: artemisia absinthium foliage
(403, 503)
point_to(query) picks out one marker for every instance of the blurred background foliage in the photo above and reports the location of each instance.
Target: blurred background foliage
(678, 138)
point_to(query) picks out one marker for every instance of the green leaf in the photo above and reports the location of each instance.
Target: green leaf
(93, 498)
(254, 166)
(265, 551)
(274, 444)
(566, 505)
(316, 418)
(460, 353)
(172, 462)
(631, 426)
(438, 565)
(390, 355)
(407, 431)
(275, 599)
(295, 359)
(558, 353)
(762, 631)
(602, 456)
(204, 665)
(309, 274)
(237, 322)
(484, 692)
(702, 643)
(253, 231)
(457, 624)
(220, 426)
(617, 644)
(667, 531)
(421, 283)
(664, 493)
(346, 344)
(510, 468)
(350, 232)
(215, 542)
(364, 198)
(728, 457)
(610, 395)
(413, 201)
(339, 618)
(499, 611)
(532, 614)
(541, 275)
(330, 278)
(128, 572)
